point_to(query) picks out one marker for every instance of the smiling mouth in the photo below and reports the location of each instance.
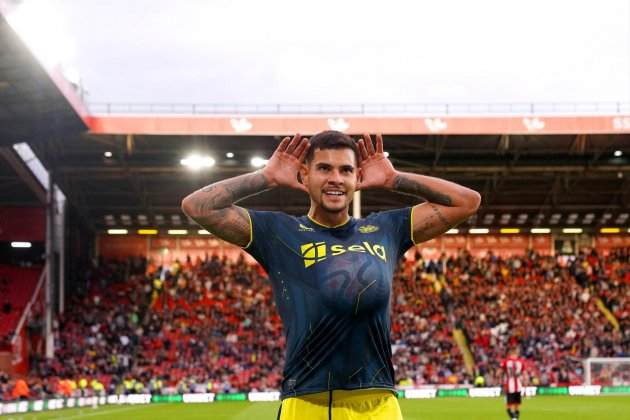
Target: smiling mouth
(334, 193)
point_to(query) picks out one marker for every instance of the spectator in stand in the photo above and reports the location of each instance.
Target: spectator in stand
(20, 390)
(4, 386)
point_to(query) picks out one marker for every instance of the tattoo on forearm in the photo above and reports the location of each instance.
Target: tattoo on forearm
(225, 193)
(406, 185)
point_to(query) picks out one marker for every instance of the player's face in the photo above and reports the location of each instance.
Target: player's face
(331, 178)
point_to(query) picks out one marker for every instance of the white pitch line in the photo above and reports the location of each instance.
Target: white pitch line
(101, 413)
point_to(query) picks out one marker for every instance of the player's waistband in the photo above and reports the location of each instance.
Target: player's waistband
(344, 396)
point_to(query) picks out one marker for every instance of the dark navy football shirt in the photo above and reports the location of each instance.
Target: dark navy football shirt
(332, 288)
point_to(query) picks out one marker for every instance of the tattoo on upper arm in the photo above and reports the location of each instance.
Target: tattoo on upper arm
(426, 227)
(230, 224)
(407, 185)
(439, 214)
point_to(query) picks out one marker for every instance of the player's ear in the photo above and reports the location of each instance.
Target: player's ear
(303, 173)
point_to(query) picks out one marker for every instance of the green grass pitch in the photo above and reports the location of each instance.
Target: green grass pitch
(537, 408)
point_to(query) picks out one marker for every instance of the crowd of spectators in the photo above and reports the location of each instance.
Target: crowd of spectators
(424, 351)
(206, 322)
(210, 325)
(547, 306)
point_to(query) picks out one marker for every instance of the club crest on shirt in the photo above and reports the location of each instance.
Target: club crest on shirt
(368, 229)
(303, 228)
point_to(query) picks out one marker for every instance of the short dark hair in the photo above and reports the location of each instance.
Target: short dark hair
(331, 139)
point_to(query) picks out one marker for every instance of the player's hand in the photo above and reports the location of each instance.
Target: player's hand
(376, 170)
(285, 163)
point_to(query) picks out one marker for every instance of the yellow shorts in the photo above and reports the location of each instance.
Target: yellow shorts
(362, 404)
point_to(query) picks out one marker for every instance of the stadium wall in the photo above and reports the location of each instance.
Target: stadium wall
(166, 249)
(22, 224)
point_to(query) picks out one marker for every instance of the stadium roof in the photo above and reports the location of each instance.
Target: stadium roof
(32, 109)
(142, 183)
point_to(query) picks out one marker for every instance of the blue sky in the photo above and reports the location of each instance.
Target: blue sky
(448, 51)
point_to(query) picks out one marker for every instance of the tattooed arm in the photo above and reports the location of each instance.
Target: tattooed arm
(213, 207)
(447, 203)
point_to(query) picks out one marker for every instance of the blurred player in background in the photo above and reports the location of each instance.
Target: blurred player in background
(331, 274)
(513, 376)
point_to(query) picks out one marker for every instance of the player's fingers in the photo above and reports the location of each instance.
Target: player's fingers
(294, 143)
(368, 144)
(362, 150)
(379, 143)
(300, 147)
(367, 139)
(283, 144)
(302, 155)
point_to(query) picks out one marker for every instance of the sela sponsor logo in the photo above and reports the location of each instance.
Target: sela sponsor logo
(241, 125)
(338, 124)
(435, 125)
(368, 229)
(314, 252)
(533, 124)
(303, 228)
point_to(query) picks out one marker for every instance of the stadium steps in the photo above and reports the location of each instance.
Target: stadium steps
(439, 284)
(607, 313)
(462, 343)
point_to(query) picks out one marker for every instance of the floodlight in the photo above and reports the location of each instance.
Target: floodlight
(197, 162)
(117, 231)
(479, 231)
(20, 244)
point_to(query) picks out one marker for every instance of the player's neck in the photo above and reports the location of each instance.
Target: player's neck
(328, 219)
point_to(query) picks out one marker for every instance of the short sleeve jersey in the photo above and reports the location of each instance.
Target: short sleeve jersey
(513, 368)
(332, 287)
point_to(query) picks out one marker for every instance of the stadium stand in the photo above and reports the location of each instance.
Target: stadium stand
(211, 325)
(540, 305)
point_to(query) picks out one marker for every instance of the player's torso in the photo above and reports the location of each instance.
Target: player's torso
(513, 368)
(345, 270)
(332, 288)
